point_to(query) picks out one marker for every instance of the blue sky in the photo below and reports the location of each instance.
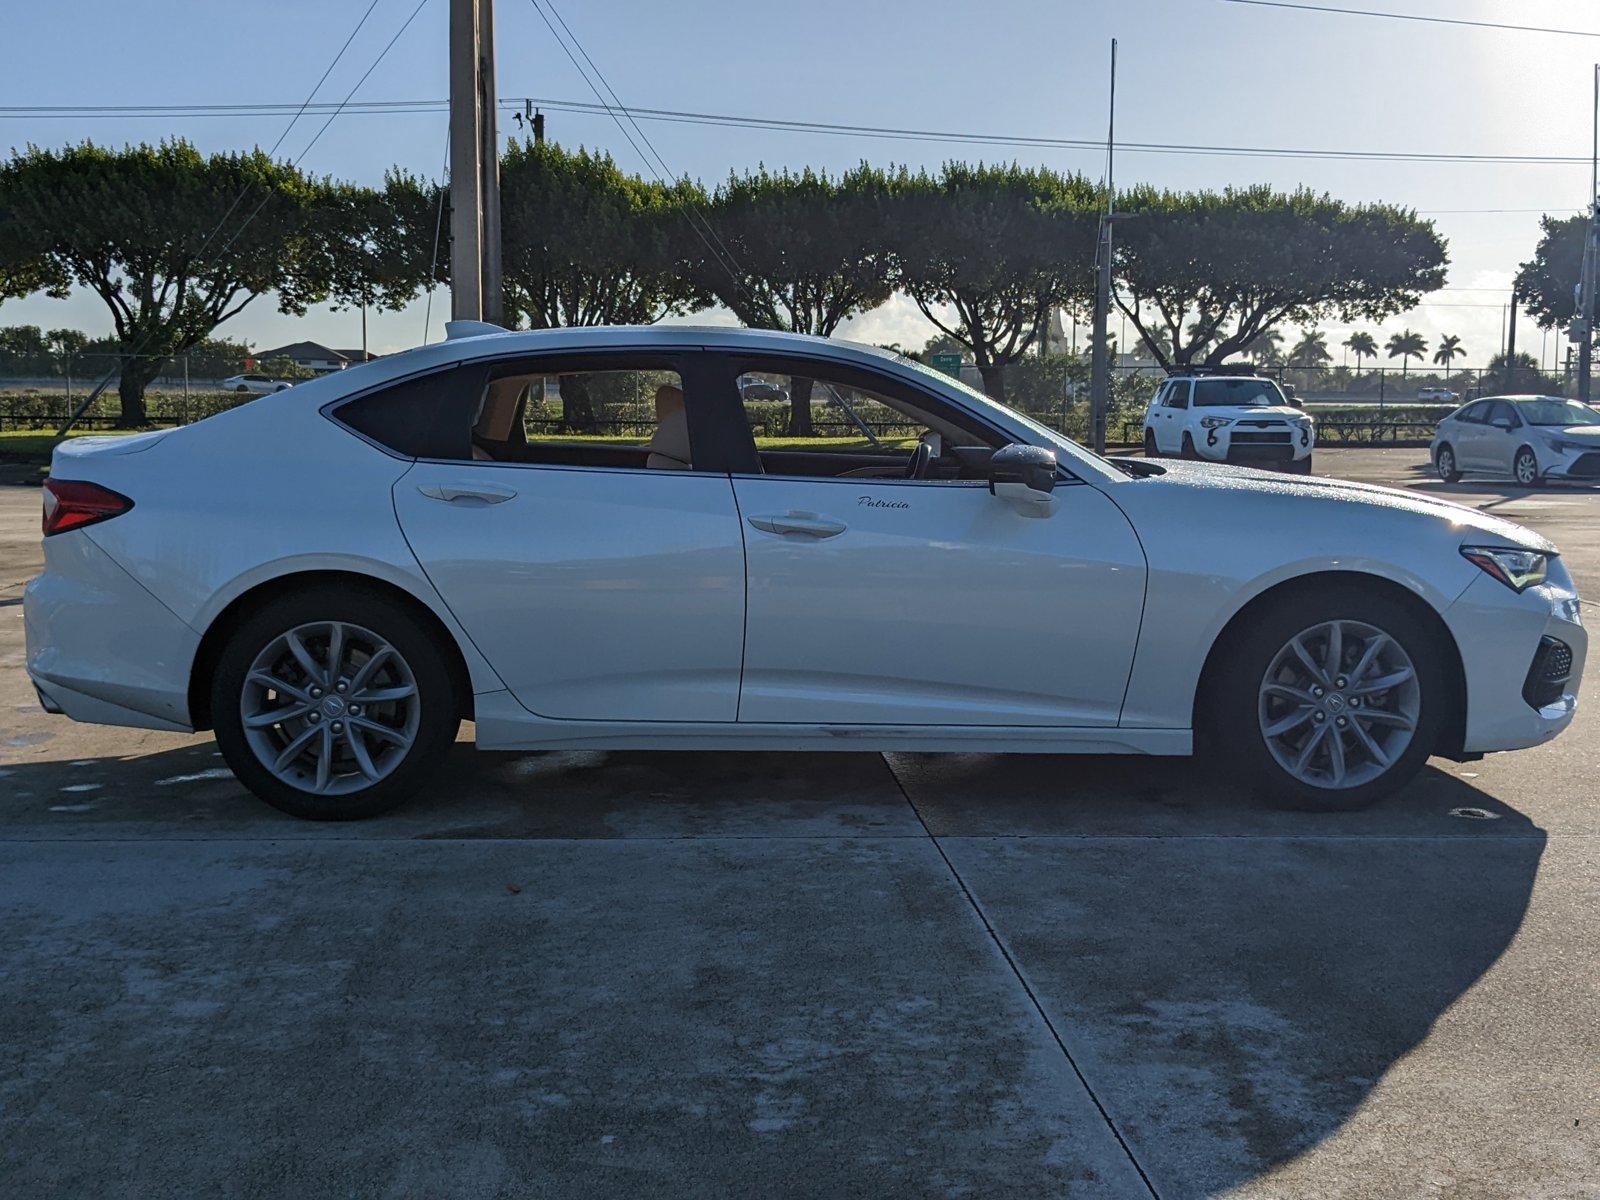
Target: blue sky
(1193, 71)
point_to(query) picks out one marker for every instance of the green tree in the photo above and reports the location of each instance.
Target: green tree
(1311, 350)
(583, 243)
(985, 252)
(1360, 343)
(1449, 350)
(1547, 283)
(135, 226)
(376, 249)
(1405, 346)
(1243, 261)
(800, 252)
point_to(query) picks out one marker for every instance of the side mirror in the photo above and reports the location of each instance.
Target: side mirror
(1024, 477)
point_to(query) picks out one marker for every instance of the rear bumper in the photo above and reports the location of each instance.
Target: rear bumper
(1500, 636)
(100, 648)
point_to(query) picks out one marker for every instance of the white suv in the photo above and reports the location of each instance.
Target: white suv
(1235, 418)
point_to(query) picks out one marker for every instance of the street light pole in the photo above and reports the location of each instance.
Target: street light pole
(475, 287)
(1099, 365)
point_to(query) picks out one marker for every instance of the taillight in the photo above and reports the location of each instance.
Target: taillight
(72, 504)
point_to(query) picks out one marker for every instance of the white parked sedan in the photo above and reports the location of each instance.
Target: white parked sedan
(333, 577)
(260, 385)
(1528, 438)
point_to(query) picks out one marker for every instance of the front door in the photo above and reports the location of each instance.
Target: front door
(880, 599)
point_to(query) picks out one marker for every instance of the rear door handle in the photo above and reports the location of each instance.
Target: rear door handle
(808, 524)
(483, 493)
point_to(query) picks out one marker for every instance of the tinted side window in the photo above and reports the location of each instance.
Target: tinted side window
(1500, 413)
(1472, 414)
(426, 417)
(1178, 397)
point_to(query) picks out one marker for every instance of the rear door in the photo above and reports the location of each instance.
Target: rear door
(1468, 436)
(577, 541)
(1176, 407)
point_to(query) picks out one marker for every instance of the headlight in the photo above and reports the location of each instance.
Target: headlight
(1215, 422)
(1519, 570)
(1562, 446)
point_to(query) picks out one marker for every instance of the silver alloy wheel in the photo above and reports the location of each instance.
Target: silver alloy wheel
(330, 708)
(1339, 704)
(1446, 464)
(1527, 468)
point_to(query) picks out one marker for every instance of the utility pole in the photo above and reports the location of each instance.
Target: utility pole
(1099, 367)
(475, 288)
(1511, 345)
(1586, 284)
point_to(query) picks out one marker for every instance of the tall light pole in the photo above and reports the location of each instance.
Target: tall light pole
(475, 288)
(1099, 364)
(1586, 283)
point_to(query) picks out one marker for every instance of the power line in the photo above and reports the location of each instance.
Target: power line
(1394, 16)
(780, 124)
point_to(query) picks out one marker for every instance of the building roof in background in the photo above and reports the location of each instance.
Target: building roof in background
(300, 351)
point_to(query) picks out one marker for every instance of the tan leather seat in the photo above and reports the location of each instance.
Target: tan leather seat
(669, 445)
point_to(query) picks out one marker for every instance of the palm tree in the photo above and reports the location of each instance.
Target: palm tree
(1263, 349)
(1311, 350)
(1449, 350)
(1406, 345)
(1362, 345)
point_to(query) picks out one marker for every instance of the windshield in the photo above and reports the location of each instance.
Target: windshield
(1557, 412)
(1242, 393)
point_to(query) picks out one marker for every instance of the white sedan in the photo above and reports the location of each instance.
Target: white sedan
(1529, 438)
(260, 385)
(332, 578)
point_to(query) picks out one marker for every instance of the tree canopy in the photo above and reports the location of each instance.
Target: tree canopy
(999, 245)
(1547, 283)
(172, 241)
(583, 243)
(1201, 275)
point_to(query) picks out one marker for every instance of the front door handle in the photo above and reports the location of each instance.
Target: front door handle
(483, 493)
(807, 524)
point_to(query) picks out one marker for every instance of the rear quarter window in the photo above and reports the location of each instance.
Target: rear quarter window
(429, 416)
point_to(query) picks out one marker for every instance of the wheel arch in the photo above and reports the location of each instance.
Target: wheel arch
(228, 619)
(1288, 590)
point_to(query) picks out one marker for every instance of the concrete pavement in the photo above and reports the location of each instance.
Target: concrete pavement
(814, 975)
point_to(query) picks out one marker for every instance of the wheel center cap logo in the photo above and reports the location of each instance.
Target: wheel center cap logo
(1335, 702)
(333, 706)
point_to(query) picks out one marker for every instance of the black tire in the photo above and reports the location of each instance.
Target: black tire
(241, 389)
(1150, 449)
(1527, 461)
(1229, 698)
(1299, 466)
(1189, 452)
(1445, 464)
(438, 718)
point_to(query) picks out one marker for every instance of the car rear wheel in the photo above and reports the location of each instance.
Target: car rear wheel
(333, 703)
(1526, 467)
(1444, 463)
(1332, 704)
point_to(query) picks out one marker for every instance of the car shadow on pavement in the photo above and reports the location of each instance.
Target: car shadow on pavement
(1235, 981)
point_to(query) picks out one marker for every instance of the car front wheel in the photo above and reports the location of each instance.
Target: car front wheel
(333, 703)
(1526, 467)
(1332, 704)
(1150, 450)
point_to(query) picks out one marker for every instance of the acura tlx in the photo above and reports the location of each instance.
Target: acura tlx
(681, 538)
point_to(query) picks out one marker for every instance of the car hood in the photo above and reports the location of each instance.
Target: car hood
(1249, 410)
(1573, 433)
(1294, 489)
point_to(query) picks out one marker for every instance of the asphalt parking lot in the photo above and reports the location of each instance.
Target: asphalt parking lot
(823, 975)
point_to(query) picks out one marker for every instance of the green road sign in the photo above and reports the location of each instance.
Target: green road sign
(950, 364)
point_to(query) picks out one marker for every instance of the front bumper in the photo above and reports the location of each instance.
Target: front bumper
(1263, 447)
(1576, 466)
(1502, 638)
(100, 648)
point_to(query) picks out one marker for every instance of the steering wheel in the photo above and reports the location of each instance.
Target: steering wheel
(917, 468)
